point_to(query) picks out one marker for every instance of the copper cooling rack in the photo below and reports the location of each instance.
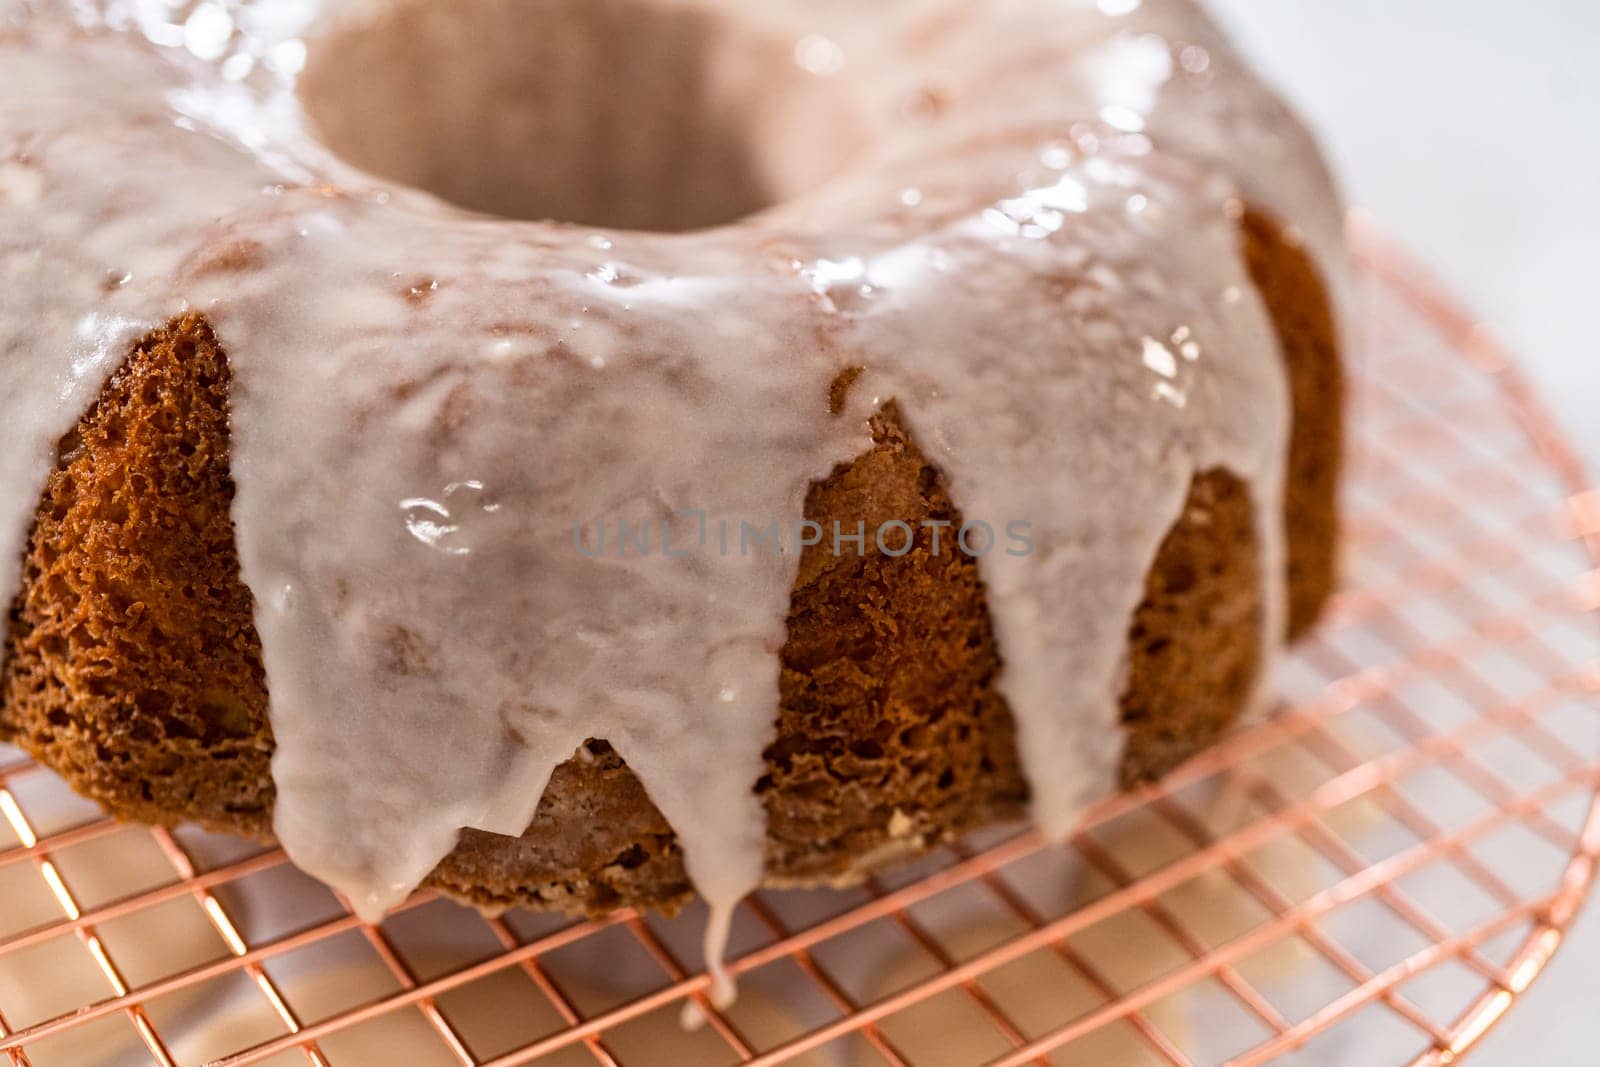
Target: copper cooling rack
(1372, 876)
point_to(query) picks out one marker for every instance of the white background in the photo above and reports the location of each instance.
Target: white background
(1471, 129)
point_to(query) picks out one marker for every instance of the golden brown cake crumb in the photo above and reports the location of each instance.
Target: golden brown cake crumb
(132, 665)
(1292, 288)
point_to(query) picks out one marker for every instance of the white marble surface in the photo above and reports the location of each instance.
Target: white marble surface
(1468, 127)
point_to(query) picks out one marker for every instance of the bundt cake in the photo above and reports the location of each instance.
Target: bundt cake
(919, 414)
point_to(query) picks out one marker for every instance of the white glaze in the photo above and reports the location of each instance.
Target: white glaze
(1045, 275)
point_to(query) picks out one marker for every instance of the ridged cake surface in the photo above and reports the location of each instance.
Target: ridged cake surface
(530, 510)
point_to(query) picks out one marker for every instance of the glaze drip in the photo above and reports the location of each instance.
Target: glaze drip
(1035, 255)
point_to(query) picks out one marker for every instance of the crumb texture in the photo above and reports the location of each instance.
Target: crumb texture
(132, 666)
(1293, 291)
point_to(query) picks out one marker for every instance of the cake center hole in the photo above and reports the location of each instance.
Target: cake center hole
(625, 114)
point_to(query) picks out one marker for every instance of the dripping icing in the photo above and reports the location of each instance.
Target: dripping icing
(1020, 173)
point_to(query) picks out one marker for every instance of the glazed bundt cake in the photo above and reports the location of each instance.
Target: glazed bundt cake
(921, 414)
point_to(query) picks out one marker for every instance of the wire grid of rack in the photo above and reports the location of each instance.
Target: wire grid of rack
(1372, 875)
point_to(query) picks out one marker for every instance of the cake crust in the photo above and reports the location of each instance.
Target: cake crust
(132, 666)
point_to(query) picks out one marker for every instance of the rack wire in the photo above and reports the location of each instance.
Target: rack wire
(1375, 874)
